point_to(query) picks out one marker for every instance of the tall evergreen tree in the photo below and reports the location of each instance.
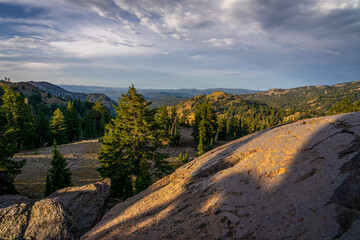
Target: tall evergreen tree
(72, 121)
(18, 116)
(58, 127)
(205, 126)
(174, 127)
(42, 130)
(58, 176)
(8, 168)
(222, 129)
(102, 117)
(163, 123)
(129, 146)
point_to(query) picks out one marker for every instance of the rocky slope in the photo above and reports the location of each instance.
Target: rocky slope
(296, 181)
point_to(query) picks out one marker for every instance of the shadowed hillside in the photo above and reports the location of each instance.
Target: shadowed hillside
(295, 181)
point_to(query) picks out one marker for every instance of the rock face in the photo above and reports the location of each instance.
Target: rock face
(51, 220)
(296, 181)
(87, 203)
(63, 215)
(14, 220)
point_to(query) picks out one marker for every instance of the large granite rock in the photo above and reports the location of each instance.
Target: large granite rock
(14, 220)
(87, 203)
(63, 215)
(296, 181)
(51, 220)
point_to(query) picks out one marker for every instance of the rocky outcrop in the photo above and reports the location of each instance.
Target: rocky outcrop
(63, 215)
(14, 220)
(51, 220)
(296, 181)
(87, 203)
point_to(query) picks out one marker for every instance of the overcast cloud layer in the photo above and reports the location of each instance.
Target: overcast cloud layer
(257, 44)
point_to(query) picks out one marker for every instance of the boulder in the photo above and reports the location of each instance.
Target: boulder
(295, 181)
(14, 219)
(51, 220)
(66, 214)
(87, 203)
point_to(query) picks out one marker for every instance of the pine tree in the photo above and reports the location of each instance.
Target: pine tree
(163, 124)
(42, 129)
(72, 121)
(186, 157)
(129, 146)
(58, 127)
(200, 148)
(18, 117)
(174, 128)
(8, 168)
(58, 176)
(222, 131)
(205, 126)
(101, 118)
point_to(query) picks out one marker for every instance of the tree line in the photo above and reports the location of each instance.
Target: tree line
(29, 123)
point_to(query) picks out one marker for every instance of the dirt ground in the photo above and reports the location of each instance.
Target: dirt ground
(82, 160)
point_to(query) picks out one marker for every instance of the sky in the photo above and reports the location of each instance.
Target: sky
(253, 44)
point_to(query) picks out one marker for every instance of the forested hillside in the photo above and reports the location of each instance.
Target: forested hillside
(60, 92)
(236, 115)
(42, 117)
(315, 100)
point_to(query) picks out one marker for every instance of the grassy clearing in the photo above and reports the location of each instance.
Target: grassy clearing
(82, 160)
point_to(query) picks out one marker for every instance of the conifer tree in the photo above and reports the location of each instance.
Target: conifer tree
(8, 168)
(186, 157)
(222, 129)
(42, 129)
(101, 118)
(58, 127)
(72, 121)
(205, 126)
(174, 127)
(129, 146)
(163, 123)
(18, 117)
(58, 176)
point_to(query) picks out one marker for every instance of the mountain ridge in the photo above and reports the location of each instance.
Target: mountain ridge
(113, 92)
(318, 99)
(91, 97)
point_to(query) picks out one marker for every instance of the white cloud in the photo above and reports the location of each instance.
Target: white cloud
(216, 42)
(196, 57)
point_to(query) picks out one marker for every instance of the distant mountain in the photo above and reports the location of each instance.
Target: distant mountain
(60, 92)
(28, 89)
(317, 99)
(115, 92)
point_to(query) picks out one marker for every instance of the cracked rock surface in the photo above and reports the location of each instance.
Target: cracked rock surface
(295, 181)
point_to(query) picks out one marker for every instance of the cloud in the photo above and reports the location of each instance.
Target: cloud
(220, 42)
(261, 33)
(196, 57)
